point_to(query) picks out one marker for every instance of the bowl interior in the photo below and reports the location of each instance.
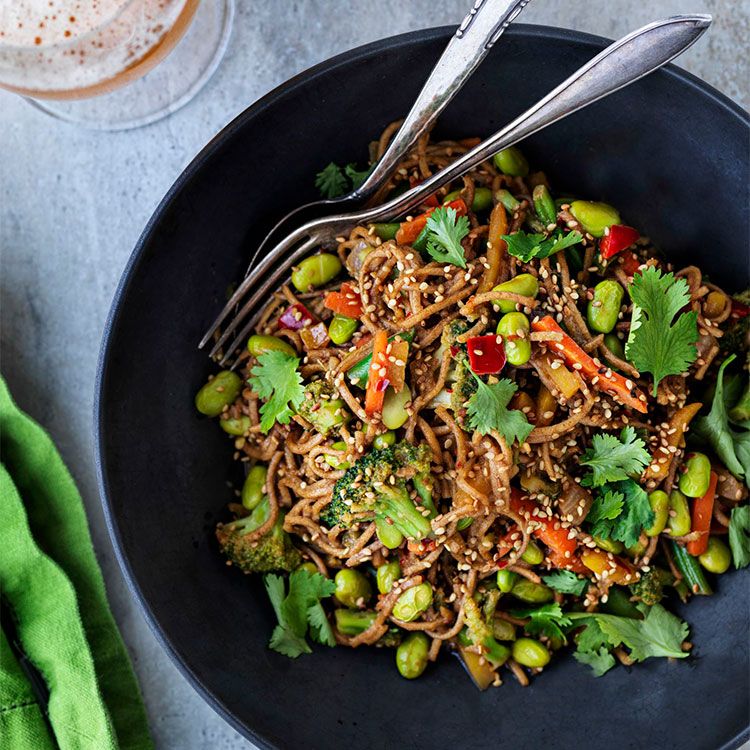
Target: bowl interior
(668, 151)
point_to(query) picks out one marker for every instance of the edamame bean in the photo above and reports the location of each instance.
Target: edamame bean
(506, 579)
(260, 344)
(310, 567)
(608, 545)
(413, 602)
(514, 328)
(235, 425)
(717, 556)
(595, 217)
(530, 653)
(533, 554)
(315, 271)
(394, 407)
(508, 200)
(544, 205)
(464, 523)
(353, 621)
(252, 489)
(342, 328)
(512, 162)
(336, 462)
(533, 593)
(384, 440)
(604, 308)
(386, 575)
(614, 345)
(482, 199)
(388, 534)
(218, 393)
(659, 502)
(503, 630)
(524, 284)
(352, 588)
(696, 475)
(386, 231)
(411, 655)
(679, 514)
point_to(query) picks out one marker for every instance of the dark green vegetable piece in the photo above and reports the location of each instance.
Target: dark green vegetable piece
(273, 551)
(321, 409)
(354, 621)
(376, 486)
(650, 588)
(691, 570)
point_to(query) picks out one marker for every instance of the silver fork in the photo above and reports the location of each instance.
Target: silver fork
(483, 25)
(623, 62)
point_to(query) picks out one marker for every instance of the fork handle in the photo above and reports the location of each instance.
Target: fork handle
(482, 27)
(622, 63)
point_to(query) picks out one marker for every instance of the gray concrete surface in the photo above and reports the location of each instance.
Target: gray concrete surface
(73, 202)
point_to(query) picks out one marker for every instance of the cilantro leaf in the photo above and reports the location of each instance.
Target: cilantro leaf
(331, 181)
(601, 661)
(739, 536)
(549, 619)
(612, 459)
(487, 410)
(445, 232)
(634, 516)
(656, 344)
(356, 177)
(592, 637)
(526, 246)
(297, 609)
(566, 582)
(731, 446)
(277, 380)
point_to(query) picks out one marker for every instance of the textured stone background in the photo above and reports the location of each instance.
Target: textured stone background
(73, 202)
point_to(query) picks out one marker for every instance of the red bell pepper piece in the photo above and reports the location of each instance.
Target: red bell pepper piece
(630, 263)
(377, 378)
(608, 380)
(410, 230)
(618, 238)
(295, 317)
(739, 309)
(486, 354)
(703, 510)
(345, 302)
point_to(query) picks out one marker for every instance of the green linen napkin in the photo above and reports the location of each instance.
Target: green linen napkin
(50, 579)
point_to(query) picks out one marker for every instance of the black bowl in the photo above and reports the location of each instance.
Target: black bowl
(669, 151)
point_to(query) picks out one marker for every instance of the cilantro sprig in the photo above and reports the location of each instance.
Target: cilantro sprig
(526, 246)
(276, 379)
(661, 341)
(487, 410)
(549, 620)
(445, 231)
(621, 512)
(334, 181)
(299, 610)
(739, 536)
(566, 582)
(611, 459)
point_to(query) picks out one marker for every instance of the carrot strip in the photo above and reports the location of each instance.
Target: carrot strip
(703, 509)
(377, 381)
(345, 302)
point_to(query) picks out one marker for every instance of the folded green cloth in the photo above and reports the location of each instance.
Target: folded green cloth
(50, 580)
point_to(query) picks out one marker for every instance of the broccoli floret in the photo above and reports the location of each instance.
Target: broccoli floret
(650, 588)
(450, 334)
(376, 485)
(463, 387)
(324, 412)
(479, 632)
(273, 551)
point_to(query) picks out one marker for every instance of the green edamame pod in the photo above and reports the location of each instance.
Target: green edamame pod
(260, 344)
(533, 554)
(387, 574)
(530, 653)
(353, 621)
(604, 308)
(384, 440)
(315, 271)
(342, 328)
(679, 514)
(235, 425)
(253, 487)
(614, 345)
(413, 602)
(514, 328)
(394, 407)
(352, 588)
(533, 593)
(691, 570)
(659, 502)
(412, 655)
(218, 393)
(506, 579)
(544, 205)
(595, 217)
(508, 200)
(387, 533)
(696, 475)
(386, 231)
(717, 557)
(512, 162)
(503, 630)
(525, 284)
